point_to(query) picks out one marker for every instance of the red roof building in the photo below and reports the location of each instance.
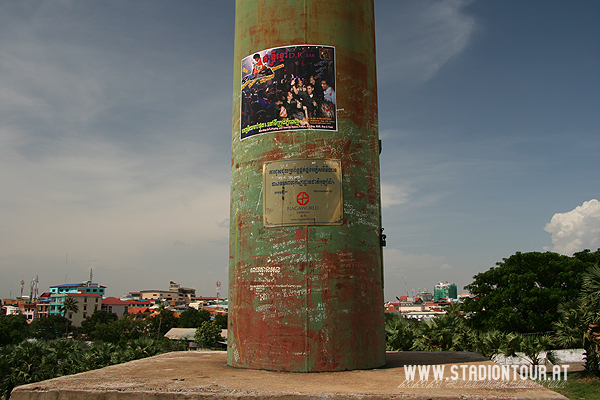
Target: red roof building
(115, 306)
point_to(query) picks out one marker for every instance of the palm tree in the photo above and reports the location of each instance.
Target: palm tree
(571, 328)
(69, 304)
(590, 296)
(590, 301)
(533, 346)
(490, 342)
(399, 332)
(436, 334)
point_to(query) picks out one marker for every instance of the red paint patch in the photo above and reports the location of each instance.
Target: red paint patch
(301, 234)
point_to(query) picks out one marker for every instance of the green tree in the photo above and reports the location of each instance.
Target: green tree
(22, 363)
(570, 329)
(33, 362)
(69, 305)
(448, 332)
(160, 323)
(533, 346)
(590, 295)
(119, 331)
(208, 335)
(490, 342)
(89, 325)
(522, 293)
(221, 320)
(192, 318)
(588, 257)
(49, 328)
(400, 332)
(590, 302)
(13, 329)
(437, 334)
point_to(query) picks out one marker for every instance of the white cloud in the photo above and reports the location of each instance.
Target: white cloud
(428, 34)
(576, 230)
(393, 195)
(110, 145)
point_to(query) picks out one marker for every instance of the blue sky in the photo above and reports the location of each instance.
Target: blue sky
(115, 127)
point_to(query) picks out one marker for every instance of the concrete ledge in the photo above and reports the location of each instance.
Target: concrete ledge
(570, 356)
(205, 375)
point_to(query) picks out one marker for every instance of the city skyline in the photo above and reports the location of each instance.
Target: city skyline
(115, 139)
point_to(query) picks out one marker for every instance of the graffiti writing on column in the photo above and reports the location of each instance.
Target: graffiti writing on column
(288, 88)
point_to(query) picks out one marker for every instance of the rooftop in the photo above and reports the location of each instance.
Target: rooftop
(113, 301)
(75, 295)
(83, 284)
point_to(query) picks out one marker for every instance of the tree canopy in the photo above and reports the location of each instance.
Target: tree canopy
(221, 320)
(120, 330)
(160, 323)
(208, 334)
(49, 328)
(93, 323)
(193, 318)
(523, 292)
(13, 329)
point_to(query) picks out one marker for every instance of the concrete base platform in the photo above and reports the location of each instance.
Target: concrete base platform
(205, 375)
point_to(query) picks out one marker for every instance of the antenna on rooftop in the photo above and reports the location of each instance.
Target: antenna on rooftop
(91, 275)
(218, 292)
(31, 287)
(37, 280)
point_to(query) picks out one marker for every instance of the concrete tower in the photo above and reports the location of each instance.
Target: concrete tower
(306, 270)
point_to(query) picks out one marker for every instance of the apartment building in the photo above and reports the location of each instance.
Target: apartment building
(87, 303)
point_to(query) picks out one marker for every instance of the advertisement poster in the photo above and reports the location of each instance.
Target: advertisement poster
(288, 88)
(302, 192)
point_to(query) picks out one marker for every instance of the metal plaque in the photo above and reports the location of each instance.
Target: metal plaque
(302, 192)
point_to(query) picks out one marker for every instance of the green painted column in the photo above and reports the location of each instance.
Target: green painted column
(305, 271)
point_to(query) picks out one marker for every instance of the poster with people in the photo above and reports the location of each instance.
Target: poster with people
(288, 88)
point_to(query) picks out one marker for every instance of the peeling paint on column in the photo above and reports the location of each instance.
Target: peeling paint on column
(308, 298)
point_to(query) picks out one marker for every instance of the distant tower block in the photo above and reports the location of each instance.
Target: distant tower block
(305, 272)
